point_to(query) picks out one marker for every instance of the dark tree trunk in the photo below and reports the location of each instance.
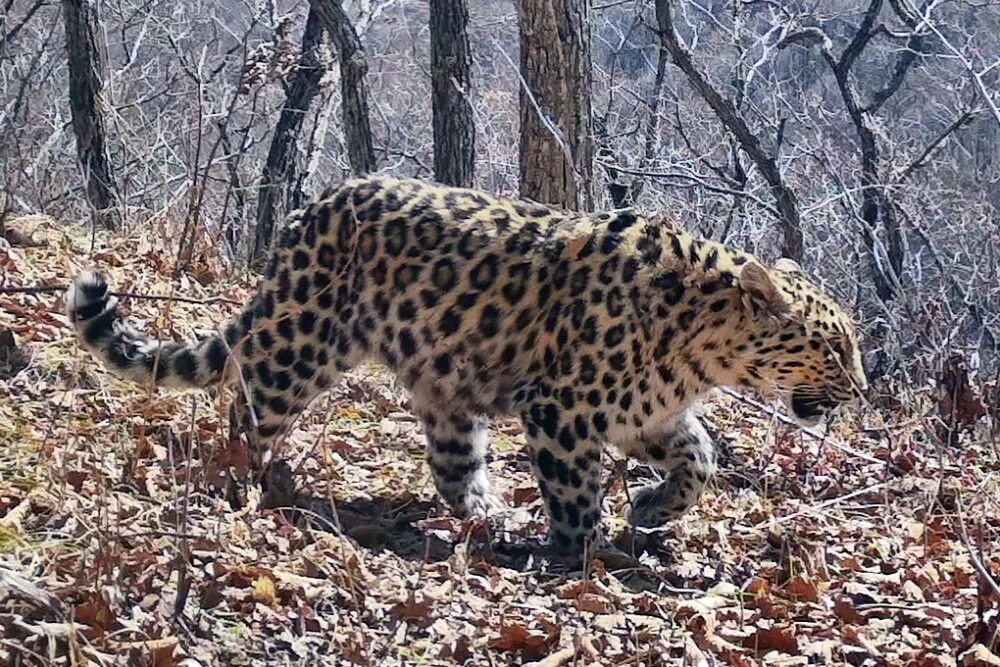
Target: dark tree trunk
(451, 63)
(877, 211)
(784, 198)
(557, 145)
(86, 70)
(353, 88)
(625, 194)
(279, 177)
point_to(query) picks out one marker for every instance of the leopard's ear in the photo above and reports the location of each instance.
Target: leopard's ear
(788, 265)
(760, 293)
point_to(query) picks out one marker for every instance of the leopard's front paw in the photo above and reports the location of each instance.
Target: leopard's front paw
(278, 486)
(480, 503)
(655, 505)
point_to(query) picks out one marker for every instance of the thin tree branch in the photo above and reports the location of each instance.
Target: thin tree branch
(977, 78)
(947, 273)
(914, 47)
(12, 33)
(907, 58)
(921, 160)
(861, 37)
(702, 182)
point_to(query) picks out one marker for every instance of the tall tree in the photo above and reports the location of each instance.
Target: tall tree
(85, 52)
(353, 87)
(280, 168)
(725, 110)
(557, 146)
(451, 63)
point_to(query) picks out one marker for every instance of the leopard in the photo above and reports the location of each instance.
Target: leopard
(592, 329)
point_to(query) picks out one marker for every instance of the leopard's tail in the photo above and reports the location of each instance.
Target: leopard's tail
(93, 310)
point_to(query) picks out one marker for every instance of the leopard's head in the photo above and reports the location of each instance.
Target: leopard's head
(803, 346)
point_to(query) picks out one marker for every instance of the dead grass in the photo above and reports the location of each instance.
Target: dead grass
(119, 544)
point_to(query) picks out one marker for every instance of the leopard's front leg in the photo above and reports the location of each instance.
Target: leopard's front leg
(566, 458)
(686, 452)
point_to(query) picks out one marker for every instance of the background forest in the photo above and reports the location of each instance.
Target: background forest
(879, 120)
(166, 139)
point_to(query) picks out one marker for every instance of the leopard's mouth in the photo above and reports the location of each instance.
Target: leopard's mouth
(809, 407)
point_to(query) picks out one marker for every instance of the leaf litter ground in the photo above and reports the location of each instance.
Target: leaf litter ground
(120, 542)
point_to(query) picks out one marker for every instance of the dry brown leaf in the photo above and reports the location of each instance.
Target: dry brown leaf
(413, 610)
(264, 591)
(593, 603)
(97, 613)
(775, 638)
(531, 644)
(959, 402)
(844, 609)
(588, 596)
(801, 589)
(525, 495)
(758, 586)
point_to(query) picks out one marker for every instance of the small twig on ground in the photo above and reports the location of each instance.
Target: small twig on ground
(58, 289)
(14, 584)
(821, 506)
(975, 555)
(811, 432)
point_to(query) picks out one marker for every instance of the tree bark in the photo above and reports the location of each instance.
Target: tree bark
(451, 64)
(557, 145)
(784, 198)
(85, 53)
(353, 88)
(274, 196)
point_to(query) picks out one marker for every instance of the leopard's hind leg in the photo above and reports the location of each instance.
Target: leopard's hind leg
(280, 377)
(457, 447)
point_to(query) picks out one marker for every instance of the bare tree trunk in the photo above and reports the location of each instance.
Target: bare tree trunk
(86, 70)
(280, 167)
(876, 208)
(557, 145)
(784, 198)
(625, 194)
(353, 88)
(451, 63)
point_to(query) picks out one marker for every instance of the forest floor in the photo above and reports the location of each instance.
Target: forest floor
(119, 544)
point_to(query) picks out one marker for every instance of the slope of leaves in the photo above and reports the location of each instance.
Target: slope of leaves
(120, 542)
